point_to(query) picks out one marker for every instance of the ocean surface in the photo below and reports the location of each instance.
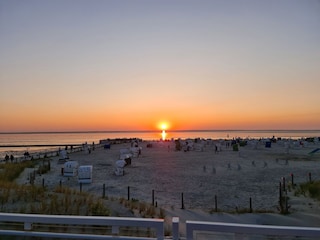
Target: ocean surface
(69, 138)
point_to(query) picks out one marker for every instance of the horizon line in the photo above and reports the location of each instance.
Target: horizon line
(141, 131)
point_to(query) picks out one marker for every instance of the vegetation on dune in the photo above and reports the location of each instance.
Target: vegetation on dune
(142, 208)
(30, 198)
(311, 189)
(10, 171)
(36, 199)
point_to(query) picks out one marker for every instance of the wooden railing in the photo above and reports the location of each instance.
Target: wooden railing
(194, 227)
(29, 224)
(29, 220)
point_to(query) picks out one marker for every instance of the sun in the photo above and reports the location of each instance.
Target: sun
(163, 125)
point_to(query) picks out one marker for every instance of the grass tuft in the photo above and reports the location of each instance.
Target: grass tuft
(311, 189)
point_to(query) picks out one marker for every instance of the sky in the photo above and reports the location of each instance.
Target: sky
(76, 65)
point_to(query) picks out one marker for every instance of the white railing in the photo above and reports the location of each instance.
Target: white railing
(194, 226)
(115, 222)
(29, 222)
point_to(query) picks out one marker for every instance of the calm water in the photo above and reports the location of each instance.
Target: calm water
(79, 138)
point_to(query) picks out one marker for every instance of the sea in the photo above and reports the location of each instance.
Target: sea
(18, 143)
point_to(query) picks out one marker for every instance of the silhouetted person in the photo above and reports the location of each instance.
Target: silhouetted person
(6, 158)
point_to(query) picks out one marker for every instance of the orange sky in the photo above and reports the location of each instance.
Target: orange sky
(129, 66)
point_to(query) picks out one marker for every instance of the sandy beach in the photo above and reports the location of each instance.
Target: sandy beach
(203, 175)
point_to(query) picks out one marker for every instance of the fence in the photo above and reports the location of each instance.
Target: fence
(192, 227)
(215, 203)
(46, 150)
(30, 220)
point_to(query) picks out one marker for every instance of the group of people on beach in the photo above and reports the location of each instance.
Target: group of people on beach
(7, 158)
(26, 155)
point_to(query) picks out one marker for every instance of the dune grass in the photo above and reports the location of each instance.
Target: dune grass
(30, 198)
(311, 189)
(10, 171)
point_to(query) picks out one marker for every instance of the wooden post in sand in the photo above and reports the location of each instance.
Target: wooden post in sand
(286, 202)
(152, 197)
(280, 196)
(128, 193)
(182, 202)
(292, 182)
(215, 203)
(310, 177)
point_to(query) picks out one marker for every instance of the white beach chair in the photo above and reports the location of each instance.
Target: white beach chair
(119, 171)
(70, 169)
(85, 174)
(135, 151)
(120, 164)
(63, 155)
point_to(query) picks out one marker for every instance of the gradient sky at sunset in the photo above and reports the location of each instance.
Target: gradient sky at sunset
(128, 65)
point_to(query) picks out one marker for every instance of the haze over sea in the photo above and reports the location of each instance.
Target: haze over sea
(68, 138)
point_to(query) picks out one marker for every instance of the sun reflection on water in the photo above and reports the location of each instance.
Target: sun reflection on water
(163, 135)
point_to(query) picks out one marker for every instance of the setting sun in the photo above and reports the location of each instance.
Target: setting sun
(163, 125)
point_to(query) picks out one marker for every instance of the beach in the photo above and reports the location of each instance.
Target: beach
(208, 182)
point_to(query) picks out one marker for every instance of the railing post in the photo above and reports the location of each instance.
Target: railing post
(175, 228)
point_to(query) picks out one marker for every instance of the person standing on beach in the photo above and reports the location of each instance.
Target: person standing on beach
(6, 158)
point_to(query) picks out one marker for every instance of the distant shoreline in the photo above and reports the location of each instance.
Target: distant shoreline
(40, 145)
(177, 131)
(38, 141)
